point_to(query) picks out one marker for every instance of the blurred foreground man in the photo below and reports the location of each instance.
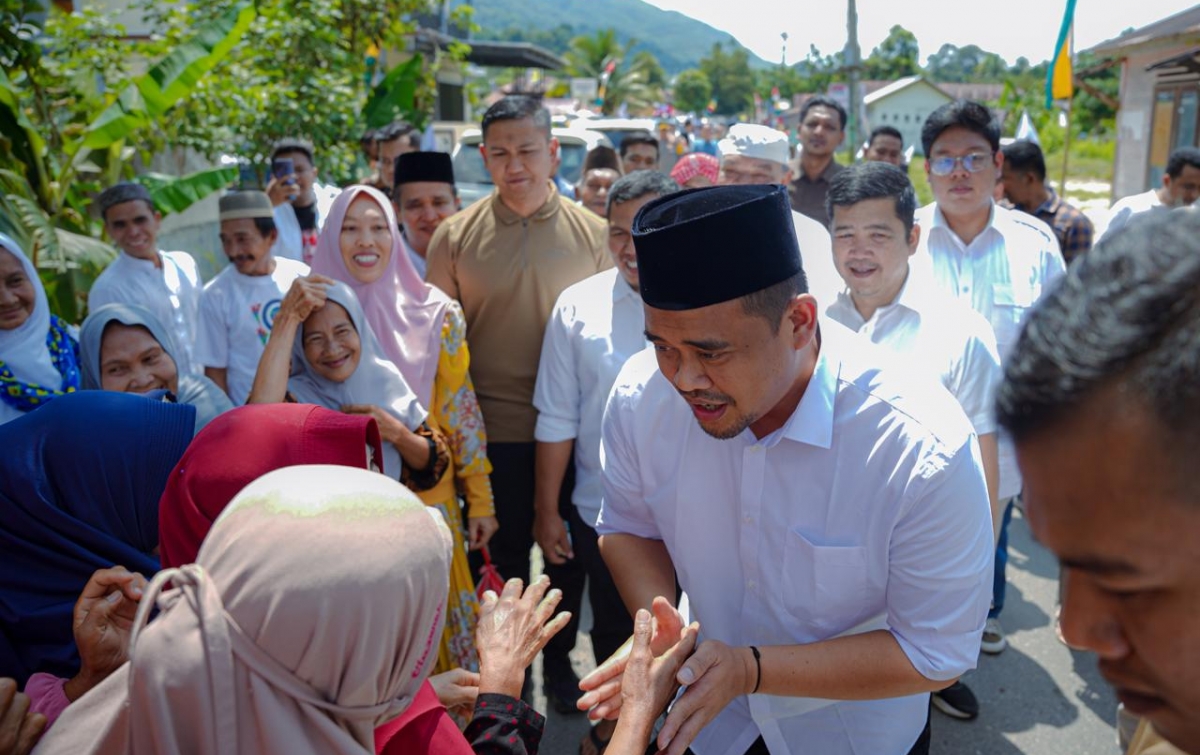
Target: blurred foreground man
(1102, 396)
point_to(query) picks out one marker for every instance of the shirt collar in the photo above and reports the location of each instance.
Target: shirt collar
(812, 422)
(1051, 204)
(622, 289)
(825, 175)
(941, 225)
(507, 217)
(908, 297)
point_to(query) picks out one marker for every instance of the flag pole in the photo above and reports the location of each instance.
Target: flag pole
(1062, 186)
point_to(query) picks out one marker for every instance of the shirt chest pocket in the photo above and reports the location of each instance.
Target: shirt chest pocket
(1010, 303)
(824, 585)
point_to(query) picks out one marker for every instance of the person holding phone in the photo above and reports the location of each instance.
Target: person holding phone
(301, 202)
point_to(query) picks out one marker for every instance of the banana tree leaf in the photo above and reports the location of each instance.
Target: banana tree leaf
(171, 79)
(395, 96)
(24, 143)
(177, 193)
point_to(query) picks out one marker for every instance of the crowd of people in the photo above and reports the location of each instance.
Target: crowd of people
(770, 415)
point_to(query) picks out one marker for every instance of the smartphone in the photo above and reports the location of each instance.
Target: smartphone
(283, 166)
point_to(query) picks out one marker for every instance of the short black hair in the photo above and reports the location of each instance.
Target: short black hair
(287, 146)
(600, 157)
(638, 137)
(873, 180)
(265, 226)
(515, 107)
(772, 302)
(120, 193)
(1024, 156)
(963, 114)
(368, 143)
(397, 129)
(1127, 314)
(885, 131)
(822, 101)
(637, 185)
(1180, 158)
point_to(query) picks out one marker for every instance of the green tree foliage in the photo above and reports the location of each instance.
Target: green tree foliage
(656, 77)
(557, 39)
(592, 55)
(692, 91)
(957, 65)
(788, 80)
(304, 69)
(896, 57)
(732, 80)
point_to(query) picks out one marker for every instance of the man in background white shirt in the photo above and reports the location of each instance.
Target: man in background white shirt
(166, 283)
(872, 206)
(754, 154)
(998, 261)
(301, 202)
(596, 326)
(1180, 188)
(828, 519)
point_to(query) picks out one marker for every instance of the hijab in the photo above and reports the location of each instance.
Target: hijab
(405, 312)
(39, 352)
(277, 639)
(375, 381)
(80, 480)
(196, 390)
(263, 437)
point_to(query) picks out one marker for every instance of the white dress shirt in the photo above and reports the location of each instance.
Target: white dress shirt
(596, 326)
(867, 510)
(939, 336)
(1129, 208)
(816, 256)
(1001, 274)
(417, 260)
(290, 242)
(171, 293)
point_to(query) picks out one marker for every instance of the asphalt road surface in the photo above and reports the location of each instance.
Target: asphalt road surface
(1037, 697)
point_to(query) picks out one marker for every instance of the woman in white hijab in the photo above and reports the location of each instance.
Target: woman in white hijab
(39, 357)
(322, 351)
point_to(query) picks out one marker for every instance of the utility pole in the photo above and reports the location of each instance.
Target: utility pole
(853, 66)
(783, 57)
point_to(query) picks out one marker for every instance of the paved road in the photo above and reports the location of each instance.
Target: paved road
(1038, 697)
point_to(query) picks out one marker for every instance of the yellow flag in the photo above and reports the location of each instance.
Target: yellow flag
(1060, 79)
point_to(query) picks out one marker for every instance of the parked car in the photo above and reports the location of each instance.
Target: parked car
(616, 128)
(474, 182)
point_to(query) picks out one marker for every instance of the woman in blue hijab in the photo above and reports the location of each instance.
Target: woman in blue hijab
(126, 348)
(80, 480)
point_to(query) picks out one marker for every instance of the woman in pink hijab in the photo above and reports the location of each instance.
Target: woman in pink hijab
(310, 619)
(423, 332)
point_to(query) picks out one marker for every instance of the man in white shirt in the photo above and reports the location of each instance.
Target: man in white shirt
(424, 196)
(597, 324)
(238, 307)
(872, 205)
(828, 519)
(301, 202)
(754, 154)
(1180, 188)
(996, 260)
(166, 283)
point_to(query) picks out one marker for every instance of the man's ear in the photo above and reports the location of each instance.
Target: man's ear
(802, 317)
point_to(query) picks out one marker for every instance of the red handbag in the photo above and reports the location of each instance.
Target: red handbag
(489, 577)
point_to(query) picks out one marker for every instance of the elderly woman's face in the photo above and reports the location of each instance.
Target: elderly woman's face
(331, 343)
(133, 361)
(17, 292)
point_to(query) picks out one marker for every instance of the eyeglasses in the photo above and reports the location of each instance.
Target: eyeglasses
(973, 163)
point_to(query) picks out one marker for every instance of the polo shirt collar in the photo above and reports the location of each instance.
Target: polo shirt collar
(506, 216)
(940, 224)
(1051, 205)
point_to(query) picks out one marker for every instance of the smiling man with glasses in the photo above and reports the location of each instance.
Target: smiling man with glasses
(1000, 262)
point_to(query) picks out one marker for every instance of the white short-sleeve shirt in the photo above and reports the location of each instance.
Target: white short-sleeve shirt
(1001, 274)
(939, 336)
(236, 315)
(867, 509)
(597, 324)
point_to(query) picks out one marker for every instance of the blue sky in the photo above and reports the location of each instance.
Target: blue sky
(1013, 28)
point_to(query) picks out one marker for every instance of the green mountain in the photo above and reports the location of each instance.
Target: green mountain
(678, 41)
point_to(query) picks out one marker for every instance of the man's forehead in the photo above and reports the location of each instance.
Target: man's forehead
(822, 112)
(957, 138)
(415, 190)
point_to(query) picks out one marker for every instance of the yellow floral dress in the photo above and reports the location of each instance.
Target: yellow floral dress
(455, 412)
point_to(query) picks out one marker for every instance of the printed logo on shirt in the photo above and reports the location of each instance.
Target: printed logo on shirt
(265, 315)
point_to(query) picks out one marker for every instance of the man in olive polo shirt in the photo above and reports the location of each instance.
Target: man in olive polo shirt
(822, 130)
(506, 259)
